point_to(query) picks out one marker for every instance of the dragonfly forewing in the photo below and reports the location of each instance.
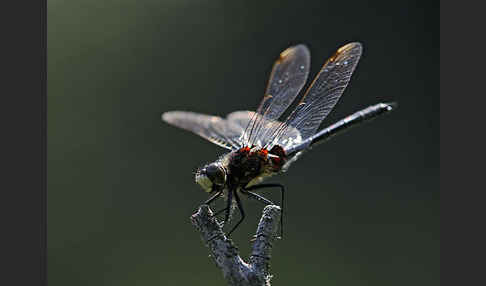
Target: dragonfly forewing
(324, 92)
(288, 76)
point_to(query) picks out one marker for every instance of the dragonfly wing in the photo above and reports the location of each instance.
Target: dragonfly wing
(288, 76)
(324, 92)
(212, 128)
(242, 119)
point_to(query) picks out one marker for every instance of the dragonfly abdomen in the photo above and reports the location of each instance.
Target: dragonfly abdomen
(354, 119)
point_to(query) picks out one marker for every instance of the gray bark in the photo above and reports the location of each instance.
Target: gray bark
(236, 271)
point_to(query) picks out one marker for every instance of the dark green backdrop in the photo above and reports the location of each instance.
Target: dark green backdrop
(363, 209)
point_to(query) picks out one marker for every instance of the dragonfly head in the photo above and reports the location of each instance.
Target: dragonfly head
(211, 177)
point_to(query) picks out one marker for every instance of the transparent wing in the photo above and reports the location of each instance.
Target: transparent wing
(323, 93)
(212, 128)
(289, 74)
(242, 118)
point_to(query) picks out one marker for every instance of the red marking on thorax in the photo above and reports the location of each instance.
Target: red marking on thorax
(263, 152)
(276, 161)
(245, 149)
(280, 160)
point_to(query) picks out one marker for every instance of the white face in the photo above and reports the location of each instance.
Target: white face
(211, 177)
(204, 182)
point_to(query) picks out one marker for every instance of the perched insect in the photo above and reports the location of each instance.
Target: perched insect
(262, 146)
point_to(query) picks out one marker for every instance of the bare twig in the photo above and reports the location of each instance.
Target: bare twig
(236, 271)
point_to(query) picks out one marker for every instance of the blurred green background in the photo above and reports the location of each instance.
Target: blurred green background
(362, 209)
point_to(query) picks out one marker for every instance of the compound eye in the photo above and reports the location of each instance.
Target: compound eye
(216, 174)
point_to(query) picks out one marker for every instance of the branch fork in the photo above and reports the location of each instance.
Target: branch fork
(236, 271)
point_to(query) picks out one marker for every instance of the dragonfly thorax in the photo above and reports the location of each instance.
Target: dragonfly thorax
(246, 164)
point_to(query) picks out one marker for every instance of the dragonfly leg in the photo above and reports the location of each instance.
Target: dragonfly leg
(242, 212)
(228, 207)
(266, 201)
(213, 198)
(257, 197)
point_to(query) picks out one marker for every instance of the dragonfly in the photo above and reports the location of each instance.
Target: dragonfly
(260, 143)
